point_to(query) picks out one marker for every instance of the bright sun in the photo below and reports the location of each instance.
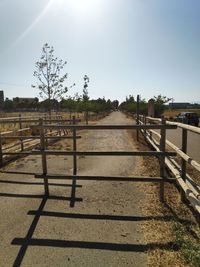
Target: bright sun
(80, 6)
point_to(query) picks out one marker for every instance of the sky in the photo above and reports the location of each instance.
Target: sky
(145, 47)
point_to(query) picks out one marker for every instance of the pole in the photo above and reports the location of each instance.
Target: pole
(44, 159)
(20, 127)
(137, 114)
(162, 159)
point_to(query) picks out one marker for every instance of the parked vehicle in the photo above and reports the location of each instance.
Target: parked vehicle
(188, 118)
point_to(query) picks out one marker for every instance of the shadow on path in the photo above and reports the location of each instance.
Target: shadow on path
(35, 183)
(92, 245)
(24, 243)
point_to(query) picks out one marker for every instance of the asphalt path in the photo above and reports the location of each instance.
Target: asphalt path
(84, 223)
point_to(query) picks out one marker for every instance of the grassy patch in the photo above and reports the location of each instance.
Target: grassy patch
(187, 244)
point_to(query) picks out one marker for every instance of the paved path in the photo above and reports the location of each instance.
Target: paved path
(102, 229)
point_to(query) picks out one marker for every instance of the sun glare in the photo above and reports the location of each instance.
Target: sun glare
(84, 6)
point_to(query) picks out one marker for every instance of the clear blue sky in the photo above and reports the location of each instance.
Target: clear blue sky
(144, 47)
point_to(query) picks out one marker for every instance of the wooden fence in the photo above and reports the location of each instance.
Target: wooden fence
(189, 188)
(51, 128)
(43, 151)
(26, 137)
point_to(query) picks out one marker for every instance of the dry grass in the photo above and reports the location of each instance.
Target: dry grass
(173, 224)
(170, 113)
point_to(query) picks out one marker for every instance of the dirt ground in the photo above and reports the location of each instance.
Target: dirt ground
(102, 228)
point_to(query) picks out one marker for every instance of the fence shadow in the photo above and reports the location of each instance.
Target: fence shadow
(12, 195)
(35, 183)
(94, 245)
(24, 243)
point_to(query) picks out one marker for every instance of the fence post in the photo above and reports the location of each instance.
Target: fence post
(20, 127)
(86, 117)
(162, 158)
(45, 131)
(183, 162)
(137, 114)
(44, 159)
(73, 192)
(74, 148)
(1, 153)
(145, 131)
(59, 131)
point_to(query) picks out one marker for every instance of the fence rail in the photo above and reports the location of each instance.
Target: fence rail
(46, 128)
(189, 188)
(42, 127)
(22, 138)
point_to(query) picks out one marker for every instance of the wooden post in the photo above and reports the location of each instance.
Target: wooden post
(86, 117)
(162, 159)
(59, 131)
(45, 132)
(73, 192)
(20, 127)
(70, 115)
(74, 148)
(137, 113)
(44, 159)
(1, 153)
(183, 162)
(145, 131)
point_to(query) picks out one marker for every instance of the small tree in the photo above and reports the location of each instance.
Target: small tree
(50, 80)
(159, 104)
(85, 86)
(85, 97)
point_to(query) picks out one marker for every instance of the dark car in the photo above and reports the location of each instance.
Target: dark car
(188, 118)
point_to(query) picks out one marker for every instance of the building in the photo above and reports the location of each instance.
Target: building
(179, 105)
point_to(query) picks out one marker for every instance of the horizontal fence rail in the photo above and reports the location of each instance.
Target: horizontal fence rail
(38, 137)
(93, 153)
(104, 127)
(37, 121)
(178, 124)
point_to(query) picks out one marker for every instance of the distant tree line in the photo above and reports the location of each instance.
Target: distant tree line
(130, 105)
(75, 104)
